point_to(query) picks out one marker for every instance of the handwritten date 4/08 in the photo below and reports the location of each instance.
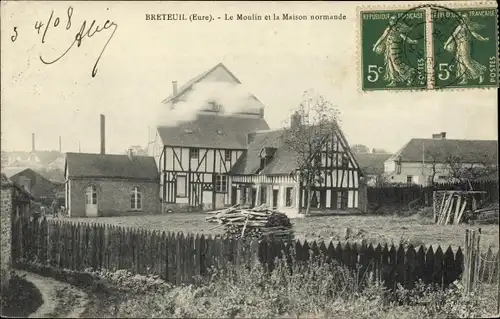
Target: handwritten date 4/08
(88, 32)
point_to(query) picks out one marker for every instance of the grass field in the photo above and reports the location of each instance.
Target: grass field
(413, 230)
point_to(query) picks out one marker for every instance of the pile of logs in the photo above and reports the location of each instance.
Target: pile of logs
(253, 223)
(462, 206)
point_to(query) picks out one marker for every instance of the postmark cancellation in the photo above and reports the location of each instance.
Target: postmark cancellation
(427, 47)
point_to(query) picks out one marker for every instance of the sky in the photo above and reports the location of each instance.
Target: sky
(275, 60)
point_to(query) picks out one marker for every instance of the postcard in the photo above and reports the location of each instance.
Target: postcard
(239, 159)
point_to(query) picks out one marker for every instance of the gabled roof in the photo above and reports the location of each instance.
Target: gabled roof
(11, 171)
(284, 160)
(372, 163)
(111, 166)
(249, 162)
(196, 79)
(470, 151)
(212, 131)
(6, 182)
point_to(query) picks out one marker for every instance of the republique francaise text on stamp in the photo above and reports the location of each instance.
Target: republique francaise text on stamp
(429, 47)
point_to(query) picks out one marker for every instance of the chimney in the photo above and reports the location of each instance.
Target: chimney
(295, 120)
(130, 154)
(103, 136)
(60, 145)
(439, 136)
(174, 88)
(32, 142)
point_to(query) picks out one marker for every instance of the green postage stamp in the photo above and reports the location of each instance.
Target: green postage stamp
(465, 45)
(429, 47)
(393, 50)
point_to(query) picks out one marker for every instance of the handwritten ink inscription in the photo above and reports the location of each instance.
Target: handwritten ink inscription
(84, 32)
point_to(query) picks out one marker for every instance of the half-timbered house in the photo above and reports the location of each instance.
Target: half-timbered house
(194, 157)
(267, 173)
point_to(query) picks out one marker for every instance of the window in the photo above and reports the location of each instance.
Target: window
(181, 186)
(409, 179)
(91, 196)
(288, 196)
(227, 155)
(221, 183)
(135, 198)
(263, 195)
(194, 153)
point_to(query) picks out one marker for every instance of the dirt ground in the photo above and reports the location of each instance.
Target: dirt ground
(413, 230)
(60, 300)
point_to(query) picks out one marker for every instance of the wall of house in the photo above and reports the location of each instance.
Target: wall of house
(114, 197)
(419, 172)
(5, 226)
(279, 183)
(208, 161)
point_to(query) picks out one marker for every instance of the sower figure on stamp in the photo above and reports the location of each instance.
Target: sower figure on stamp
(459, 44)
(391, 44)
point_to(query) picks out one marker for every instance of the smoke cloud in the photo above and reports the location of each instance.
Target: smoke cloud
(229, 97)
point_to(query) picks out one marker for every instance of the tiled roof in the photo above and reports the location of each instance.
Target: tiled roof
(284, 161)
(111, 166)
(6, 182)
(470, 151)
(249, 161)
(371, 163)
(11, 171)
(212, 131)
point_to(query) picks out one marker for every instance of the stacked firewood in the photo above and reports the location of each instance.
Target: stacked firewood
(253, 223)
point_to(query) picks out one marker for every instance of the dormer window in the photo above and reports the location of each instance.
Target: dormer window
(194, 153)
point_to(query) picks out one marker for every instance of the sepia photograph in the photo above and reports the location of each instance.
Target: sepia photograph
(249, 159)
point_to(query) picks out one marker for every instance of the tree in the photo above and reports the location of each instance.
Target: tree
(382, 180)
(360, 148)
(433, 158)
(458, 168)
(311, 128)
(461, 171)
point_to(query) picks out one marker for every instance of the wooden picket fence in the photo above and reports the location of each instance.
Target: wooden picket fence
(180, 258)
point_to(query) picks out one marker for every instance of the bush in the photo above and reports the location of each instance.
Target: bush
(313, 289)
